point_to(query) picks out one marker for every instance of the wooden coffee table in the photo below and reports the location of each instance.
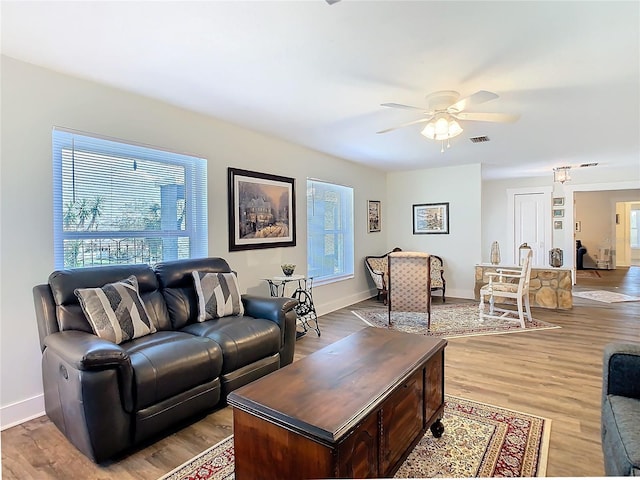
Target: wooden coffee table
(354, 409)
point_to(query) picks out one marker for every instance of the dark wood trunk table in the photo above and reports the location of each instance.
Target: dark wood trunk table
(354, 409)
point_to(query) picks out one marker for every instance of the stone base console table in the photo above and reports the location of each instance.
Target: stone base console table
(354, 409)
(548, 288)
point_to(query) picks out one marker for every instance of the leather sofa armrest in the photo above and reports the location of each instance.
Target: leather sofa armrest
(279, 310)
(86, 351)
(270, 308)
(621, 370)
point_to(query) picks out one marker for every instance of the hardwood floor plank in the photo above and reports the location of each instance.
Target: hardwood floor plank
(555, 374)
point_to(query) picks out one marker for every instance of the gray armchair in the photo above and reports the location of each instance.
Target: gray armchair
(621, 409)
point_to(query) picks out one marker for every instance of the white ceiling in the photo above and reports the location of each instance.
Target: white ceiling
(315, 74)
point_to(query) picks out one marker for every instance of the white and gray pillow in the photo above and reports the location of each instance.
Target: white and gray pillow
(115, 311)
(218, 295)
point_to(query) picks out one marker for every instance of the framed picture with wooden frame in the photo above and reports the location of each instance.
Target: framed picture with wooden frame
(373, 215)
(431, 218)
(262, 210)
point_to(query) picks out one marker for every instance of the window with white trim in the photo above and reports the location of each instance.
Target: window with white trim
(634, 228)
(120, 203)
(329, 231)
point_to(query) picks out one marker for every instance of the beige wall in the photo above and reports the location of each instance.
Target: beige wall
(460, 249)
(35, 99)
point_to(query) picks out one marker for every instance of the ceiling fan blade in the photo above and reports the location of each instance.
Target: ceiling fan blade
(422, 120)
(480, 96)
(400, 105)
(487, 117)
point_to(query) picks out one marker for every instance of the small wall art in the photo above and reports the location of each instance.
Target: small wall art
(373, 215)
(557, 224)
(558, 202)
(558, 212)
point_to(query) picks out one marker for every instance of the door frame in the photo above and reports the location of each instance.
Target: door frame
(511, 194)
(569, 240)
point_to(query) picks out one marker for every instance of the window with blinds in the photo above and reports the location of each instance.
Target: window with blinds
(121, 203)
(329, 231)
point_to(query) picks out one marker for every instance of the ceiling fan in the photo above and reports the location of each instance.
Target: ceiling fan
(444, 110)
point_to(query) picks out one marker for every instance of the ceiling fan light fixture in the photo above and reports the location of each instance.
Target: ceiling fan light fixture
(442, 127)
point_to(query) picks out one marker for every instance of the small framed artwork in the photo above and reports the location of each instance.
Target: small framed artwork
(578, 226)
(262, 210)
(431, 218)
(558, 202)
(557, 225)
(373, 209)
(558, 212)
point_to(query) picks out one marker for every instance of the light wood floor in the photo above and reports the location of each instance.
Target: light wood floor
(553, 373)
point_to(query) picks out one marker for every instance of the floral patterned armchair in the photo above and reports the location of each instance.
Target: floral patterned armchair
(437, 275)
(377, 267)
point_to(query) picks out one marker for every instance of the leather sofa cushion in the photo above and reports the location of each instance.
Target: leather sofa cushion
(169, 363)
(176, 281)
(243, 340)
(63, 284)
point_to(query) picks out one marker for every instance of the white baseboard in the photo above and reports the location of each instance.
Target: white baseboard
(20, 412)
(454, 293)
(342, 302)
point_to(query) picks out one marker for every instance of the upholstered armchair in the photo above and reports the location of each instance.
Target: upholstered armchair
(410, 283)
(378, 270)
(437, 275)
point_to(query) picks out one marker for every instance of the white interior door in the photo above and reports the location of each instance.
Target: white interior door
(531, 216)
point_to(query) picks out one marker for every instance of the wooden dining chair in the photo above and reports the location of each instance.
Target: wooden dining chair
(508, 283)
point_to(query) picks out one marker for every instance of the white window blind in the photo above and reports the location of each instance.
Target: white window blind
(329, 231)
(118, 202)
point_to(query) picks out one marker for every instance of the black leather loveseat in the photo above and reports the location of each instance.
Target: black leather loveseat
(107, 397)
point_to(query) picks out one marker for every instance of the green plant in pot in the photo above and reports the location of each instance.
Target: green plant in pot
(288, 268)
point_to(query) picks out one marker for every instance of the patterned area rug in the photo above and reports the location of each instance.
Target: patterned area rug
(604, 296)
(448, 321)
(479, 441)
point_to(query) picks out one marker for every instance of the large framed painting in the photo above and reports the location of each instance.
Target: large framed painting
(262, 210)
(431, 218)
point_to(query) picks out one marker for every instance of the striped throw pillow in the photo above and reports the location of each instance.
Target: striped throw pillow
(115, 311)
(218, 295)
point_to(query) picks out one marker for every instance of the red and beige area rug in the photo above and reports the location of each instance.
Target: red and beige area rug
(479, 440)
(457, 320)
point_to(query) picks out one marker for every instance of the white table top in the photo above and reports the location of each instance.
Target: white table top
(286, 278)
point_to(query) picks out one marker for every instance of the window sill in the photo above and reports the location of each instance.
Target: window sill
(328, 280)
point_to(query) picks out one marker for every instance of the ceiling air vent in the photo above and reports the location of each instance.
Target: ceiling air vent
(481, 139)
(588, 164)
